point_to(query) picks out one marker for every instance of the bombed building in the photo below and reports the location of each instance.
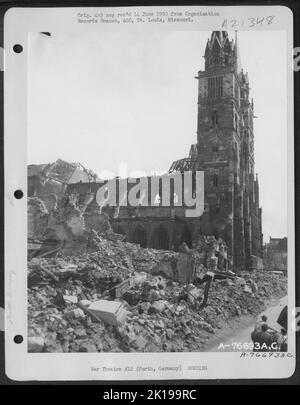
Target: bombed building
(52, 178)
(158, 263)
(225, 153)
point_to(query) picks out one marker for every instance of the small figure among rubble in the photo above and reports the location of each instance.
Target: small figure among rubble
(213, 253)
(266, 338)
(282, 340)
(262, 340)
(222, 256)
(259, 323)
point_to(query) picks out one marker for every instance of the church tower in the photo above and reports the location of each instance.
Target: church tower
(225, 150)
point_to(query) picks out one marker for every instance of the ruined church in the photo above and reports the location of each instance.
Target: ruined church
(225, 153)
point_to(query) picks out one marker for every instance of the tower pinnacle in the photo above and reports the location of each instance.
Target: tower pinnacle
(237, 54)
(221, 51)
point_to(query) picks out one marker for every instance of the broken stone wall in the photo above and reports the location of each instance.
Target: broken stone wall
(37, 218)
(63, 219)
(43, 186)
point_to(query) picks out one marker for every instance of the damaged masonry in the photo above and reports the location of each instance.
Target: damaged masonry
(91, 291)
(105, 278)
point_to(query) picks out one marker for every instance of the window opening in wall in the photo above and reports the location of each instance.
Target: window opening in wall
(215, 148)
(214, 118)
(215, 86)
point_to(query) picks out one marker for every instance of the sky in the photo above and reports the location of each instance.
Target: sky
(105, 98)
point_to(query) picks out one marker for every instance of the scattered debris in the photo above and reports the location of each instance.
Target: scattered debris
(90, 291)
(112, 298)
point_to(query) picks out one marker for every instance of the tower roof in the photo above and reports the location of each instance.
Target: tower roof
(220, 44)
(219, 38)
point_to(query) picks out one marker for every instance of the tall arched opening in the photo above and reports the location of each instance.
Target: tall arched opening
(160, 238)
(139, 236)
(186, 237)
(119, 229)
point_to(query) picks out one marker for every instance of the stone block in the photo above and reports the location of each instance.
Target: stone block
(76, 313)
(158, 306)
(240, 282)
(85, 303)
(35, 344)
(139, 278)
(111, 312)
(195, 292)
(88, 348)
(144, 306)
(254, 287)
(169, 333)
(247, 289)
(140, 343)
(70, 299)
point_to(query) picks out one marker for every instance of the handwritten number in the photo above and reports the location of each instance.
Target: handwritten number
(224, 25)
(270, 19)
(252, 22)
(259, 21)
(234, 23)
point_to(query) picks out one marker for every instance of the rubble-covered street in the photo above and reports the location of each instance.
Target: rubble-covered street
(119, 297)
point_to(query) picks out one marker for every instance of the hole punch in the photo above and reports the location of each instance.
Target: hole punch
(18, 339)
(18, 48)
(18, 194)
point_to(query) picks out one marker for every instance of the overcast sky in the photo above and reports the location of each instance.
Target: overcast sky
(105, 98)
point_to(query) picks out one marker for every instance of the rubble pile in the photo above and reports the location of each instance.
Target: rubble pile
(119, 297)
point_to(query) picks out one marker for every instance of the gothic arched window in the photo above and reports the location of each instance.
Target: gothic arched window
(214, 118)
(215, 148)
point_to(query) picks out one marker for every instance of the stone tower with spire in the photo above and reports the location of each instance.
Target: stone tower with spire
(225, 152)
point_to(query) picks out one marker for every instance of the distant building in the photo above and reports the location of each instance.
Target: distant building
(275, 254)
(52, 178)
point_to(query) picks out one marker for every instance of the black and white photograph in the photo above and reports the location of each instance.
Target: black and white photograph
(157, 189)
(145, 276)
